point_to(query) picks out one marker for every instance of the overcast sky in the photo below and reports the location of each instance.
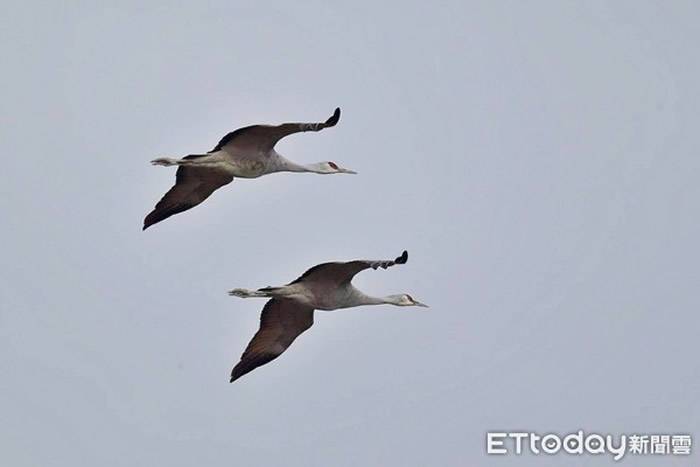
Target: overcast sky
(538, 160)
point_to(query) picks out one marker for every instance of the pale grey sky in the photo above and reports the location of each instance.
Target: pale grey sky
(539, 160)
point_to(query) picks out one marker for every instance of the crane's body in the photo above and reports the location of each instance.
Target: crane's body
(251, 165)
(244, 153)
(321, 297)
(289, 312)
(317, 297)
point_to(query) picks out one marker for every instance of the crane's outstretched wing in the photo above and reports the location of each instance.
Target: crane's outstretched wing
(282, 320)
(261, 138)
(340, 273)
(192, 186)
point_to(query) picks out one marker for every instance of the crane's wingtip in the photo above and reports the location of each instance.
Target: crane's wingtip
(334, 118)
(403, 258)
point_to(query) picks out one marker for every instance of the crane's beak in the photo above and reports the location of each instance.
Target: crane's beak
(417, 303)
(347, 171)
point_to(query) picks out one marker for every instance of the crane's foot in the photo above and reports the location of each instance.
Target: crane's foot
(245, 293)
(164, 161)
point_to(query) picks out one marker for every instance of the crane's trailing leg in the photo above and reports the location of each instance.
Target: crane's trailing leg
(192, 159)
(165, 161)
(267, 292)
(245, 293)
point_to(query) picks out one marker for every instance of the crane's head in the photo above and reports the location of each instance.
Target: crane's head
(331, 167)
(405, 300)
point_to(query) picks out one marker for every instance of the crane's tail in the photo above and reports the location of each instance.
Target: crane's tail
(245, 293)
(264, 292)
(271, 290)
(164, 161)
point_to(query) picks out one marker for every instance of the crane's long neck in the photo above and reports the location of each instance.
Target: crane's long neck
(285, 165)
(363, 299)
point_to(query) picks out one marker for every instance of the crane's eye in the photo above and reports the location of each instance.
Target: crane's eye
(333, 165)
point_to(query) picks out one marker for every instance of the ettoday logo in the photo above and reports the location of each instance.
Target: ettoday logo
(579, 443)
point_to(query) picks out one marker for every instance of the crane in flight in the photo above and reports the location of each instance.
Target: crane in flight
(290, 310)
(247, 152)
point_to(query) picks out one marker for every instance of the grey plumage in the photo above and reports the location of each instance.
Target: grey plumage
(246, 152)
(290, 311)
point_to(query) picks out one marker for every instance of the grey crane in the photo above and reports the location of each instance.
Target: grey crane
(290, 311)
(247, 152)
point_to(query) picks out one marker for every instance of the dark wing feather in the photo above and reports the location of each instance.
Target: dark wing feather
(192, 186)
(250, 131)
(282, 321)
(264, 137)
(340, 273)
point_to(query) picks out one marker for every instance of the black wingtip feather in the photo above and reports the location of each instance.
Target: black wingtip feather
(333, 120)
(149, 220)
(403, 258)
(236, 373)
(155, 216)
